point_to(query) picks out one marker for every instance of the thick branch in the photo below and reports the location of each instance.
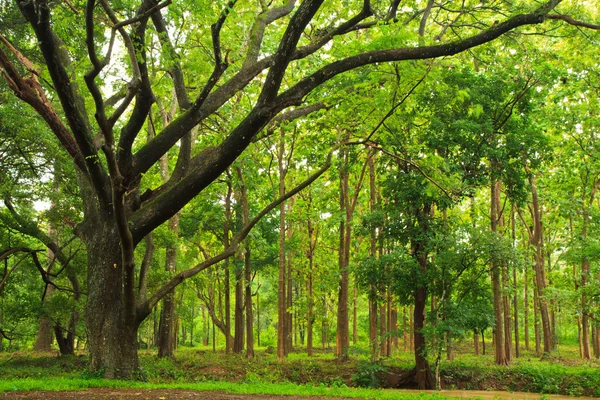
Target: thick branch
(73, 104)
(30, 91)
(306, 85)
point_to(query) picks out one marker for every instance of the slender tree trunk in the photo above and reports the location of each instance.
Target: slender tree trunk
(238, 318)
(355, 315)
(526, 309)
(166, 327)
(496, 287)
(404, 330)
(309, 310)
(382, 330)
(342, 333)
(281, 293)
(43, 342)
(226, 284)
(388, 346)
(257, 319)
(536, 239)
(248, 301)
(312, 234)
(411, 329)
(373, 314)
(424, 377)
(289, 298)
(476, 341)
(536, 316)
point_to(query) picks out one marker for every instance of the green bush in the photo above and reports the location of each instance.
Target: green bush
(367, 374)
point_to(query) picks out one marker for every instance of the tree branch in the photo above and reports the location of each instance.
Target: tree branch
(572, 21)
(72, 103)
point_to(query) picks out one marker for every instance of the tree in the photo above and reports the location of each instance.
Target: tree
(101, 129)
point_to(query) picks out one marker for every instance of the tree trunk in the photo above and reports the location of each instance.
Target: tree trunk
(516, 291)
(110, 316)
(342, 333)
(355, 314)
(526, 309)
(238, 317)
(166, 327)
(404, 330)
(289, 303)
(496, 286)
(373, 253)
(476, 341)
(540, 270)
(585, 325)
(248, 306)
(43, 342)
(424, 377)
(536, 316)
(281, 289)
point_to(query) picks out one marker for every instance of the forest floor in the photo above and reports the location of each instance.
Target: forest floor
(174, 394)
(199, 373)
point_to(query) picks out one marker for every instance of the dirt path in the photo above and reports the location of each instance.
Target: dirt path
(170, 394)
(485, 395)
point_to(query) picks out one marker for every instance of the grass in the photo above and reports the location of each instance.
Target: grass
(63, 384)
(201, 369)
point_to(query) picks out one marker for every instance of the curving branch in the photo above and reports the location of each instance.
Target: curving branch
(30, 91)
(258, 29)
(572, 21)
(57, 60)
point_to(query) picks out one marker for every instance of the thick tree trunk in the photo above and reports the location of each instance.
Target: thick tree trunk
(111, 325)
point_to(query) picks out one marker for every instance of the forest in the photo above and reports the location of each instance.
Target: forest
(389, 193)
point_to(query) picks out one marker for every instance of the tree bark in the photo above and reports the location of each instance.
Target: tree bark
(496, 286)
(342, 333)
(43, 342)
(166, 327)
(111, 330)
(281, 291)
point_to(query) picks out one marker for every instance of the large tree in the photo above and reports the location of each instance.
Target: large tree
(288, 53)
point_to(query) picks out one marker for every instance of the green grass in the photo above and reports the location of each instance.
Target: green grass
(563, 373)
(62, 384)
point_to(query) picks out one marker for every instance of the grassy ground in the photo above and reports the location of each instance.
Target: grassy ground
(201, 369)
